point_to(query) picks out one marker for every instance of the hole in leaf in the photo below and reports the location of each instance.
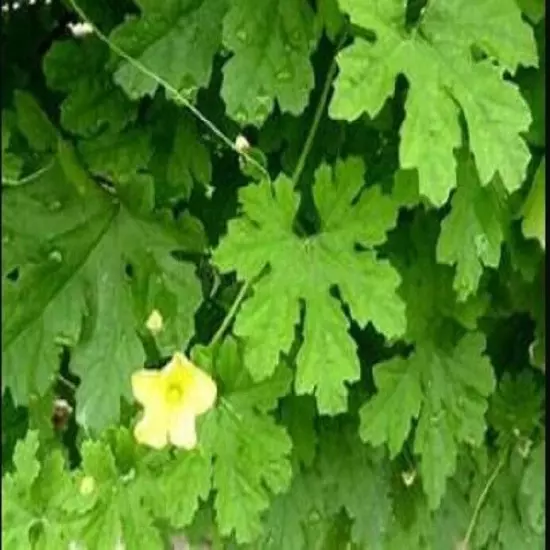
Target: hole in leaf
(413, 12)
(13, 275)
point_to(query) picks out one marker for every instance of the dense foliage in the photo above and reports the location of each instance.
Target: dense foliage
(362, 275)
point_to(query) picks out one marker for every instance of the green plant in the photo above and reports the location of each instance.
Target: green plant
(365, 282)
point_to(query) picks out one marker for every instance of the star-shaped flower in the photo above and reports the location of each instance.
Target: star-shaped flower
(172, 399)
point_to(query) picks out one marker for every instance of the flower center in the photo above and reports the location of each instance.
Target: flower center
(174, 394)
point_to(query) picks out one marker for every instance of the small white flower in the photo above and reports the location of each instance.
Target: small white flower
(242, 144)
(15, 6)
(80, 30)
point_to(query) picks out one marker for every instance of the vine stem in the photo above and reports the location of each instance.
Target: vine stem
(230, 314)
(29, 178)
(67, 383)
(481, 500)
(167, 86)
(316, 118)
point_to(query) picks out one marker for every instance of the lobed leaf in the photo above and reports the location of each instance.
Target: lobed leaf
(270, 58)
(326, 359)
(436, 60)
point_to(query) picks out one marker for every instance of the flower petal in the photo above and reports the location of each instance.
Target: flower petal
(198, 387)
(148, 386)
(176, 368)
(182, 431)
(202, 392)
(152, 430)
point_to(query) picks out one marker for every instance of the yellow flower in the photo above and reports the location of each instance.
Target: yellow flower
(172, 399)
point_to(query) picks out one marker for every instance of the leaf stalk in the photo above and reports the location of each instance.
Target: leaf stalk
(230, 314)
(481, 500)
(316, 120)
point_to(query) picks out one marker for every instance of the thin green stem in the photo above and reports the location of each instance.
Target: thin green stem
(230, 314)
(315, 123)
(481, 500)
(318, 114)
(167, 86)
(29, 178)
(66, 382)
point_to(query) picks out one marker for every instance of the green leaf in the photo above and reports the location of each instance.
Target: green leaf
(11, 163)
(72, 256)
(501, 517)
(170, 288)
(331, 18)
(526, 256)
(388, 416)
(373, 307)
(405, 188)
(532, 83)
(426, 288)
(264, 236)
(294, 518)
(437, 63)
(516, 407)
(117, 509)
(532, 496)
(251, 452)
(534, 207)
(174, 40)
(188, 470)
(472, 233)
(93, 102)
(456, 386)
(449, 523)
(298, 415)
(270, 58)
(180, 158)
(174, 482)
(117, 156)
(39, 132)
(357, 478)
(25, 461)
(446, 390)
(33, 497)
(533, 9)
